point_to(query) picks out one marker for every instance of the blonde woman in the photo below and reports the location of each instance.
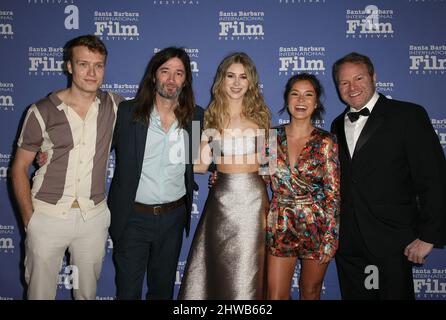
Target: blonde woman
(227, 256)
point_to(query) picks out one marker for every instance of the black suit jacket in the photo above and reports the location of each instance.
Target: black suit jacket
(393, 186)
(129, 141)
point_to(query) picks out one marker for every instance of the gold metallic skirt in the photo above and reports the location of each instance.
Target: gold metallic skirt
(227, 257)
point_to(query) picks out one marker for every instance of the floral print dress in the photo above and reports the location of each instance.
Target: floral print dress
(303, 219)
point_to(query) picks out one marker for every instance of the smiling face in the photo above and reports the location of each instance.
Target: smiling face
(236, 82)
(170, 78)
(356, 86)
(302, 100)
(87, 69)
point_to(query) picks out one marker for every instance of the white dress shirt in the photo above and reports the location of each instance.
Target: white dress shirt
(353, 129)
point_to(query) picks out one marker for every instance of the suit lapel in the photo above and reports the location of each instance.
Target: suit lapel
(340, 133)
(140, 146)
(374, 121)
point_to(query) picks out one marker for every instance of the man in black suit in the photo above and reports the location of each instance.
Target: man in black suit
(393, 180)
(150, 195)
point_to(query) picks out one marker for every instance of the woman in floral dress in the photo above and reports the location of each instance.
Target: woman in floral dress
(303, 219)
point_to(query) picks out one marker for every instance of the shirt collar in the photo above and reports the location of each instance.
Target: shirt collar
(62, 106)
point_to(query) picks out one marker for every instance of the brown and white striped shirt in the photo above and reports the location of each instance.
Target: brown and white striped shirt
(78, 151)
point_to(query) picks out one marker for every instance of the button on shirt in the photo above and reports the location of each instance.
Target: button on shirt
(77, 149)
(353, 129)
(163, 169)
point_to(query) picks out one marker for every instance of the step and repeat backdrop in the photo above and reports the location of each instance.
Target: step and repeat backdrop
(405, 39)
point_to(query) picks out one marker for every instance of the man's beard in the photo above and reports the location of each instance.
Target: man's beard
(163, 93)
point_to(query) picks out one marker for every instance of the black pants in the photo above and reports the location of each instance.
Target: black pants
(150, 243)
(395, 279)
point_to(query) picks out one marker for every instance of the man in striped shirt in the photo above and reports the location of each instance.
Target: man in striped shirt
(66, 207)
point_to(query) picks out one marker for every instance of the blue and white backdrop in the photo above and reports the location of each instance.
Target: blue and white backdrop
(407, 44)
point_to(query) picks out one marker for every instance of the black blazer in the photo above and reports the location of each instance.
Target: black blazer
(129, 141)
(395, 182)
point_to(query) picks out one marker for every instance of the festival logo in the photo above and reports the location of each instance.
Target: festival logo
(5, 158)
(298, 59)
(429, 283)
(6, 238)
(45, 61)
(427, 59)
(180, 271)
(110, 168)
(109, 244)
(440, 128)
(6, 24)
(385, 88)
(241, 25)
(6, 96)
(68, 277)
(371, 23)
(126, 90)
(195, 213)
(116, 25)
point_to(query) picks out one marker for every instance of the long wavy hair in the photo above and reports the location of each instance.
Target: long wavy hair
(145, 97)
(254, 106)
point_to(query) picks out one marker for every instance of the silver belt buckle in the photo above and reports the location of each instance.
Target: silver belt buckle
(155, 210)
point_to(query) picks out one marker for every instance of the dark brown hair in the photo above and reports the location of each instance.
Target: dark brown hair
(92, 42)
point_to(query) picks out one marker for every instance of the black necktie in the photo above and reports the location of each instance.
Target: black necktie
(353, 116)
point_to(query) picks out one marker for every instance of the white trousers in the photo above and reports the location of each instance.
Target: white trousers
(47, 239)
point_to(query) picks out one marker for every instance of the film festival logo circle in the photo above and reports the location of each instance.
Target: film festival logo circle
(241, 25)
(6, 25)
(6, 96)
(427, 59)
(298, 59)
(116, 25)
(370, 22)
(45, 61)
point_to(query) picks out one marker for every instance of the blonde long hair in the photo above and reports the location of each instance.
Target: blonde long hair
(254, 106)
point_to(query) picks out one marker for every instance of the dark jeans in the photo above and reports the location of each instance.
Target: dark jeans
(150, 243)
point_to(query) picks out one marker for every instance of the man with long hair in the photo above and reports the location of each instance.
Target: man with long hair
(150, 195)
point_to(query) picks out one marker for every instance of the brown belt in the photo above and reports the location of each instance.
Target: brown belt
(157, 209)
